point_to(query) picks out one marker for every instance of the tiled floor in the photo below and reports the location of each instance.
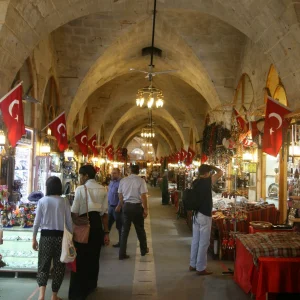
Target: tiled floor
(167, 266)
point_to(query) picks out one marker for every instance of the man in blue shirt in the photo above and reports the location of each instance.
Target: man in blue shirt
(113, 201)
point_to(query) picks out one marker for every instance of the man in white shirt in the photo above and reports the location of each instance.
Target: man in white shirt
(133, 198)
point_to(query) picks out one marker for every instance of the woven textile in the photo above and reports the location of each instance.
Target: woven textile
(285, 244)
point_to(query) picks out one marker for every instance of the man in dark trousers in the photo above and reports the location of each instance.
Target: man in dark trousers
(113, 201)
(133, 200)
(202, 219)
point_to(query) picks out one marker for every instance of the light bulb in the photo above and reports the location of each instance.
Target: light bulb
(137, 102)
(159, 103)
(142, 101)
(150, 102)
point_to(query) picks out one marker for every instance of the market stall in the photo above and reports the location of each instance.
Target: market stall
(268, 263)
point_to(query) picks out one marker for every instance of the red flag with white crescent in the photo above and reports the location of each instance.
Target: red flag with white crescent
(82, 141)
(183, 154)
(110, 152)
(12, 111)
(241, 121)
(59, 130)
(190, 156)
(275, 124)
(92, 142)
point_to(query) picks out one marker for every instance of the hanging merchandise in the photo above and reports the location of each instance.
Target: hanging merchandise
(12, 111)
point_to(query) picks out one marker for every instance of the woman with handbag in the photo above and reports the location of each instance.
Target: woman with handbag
(90, 218)
(52, 213)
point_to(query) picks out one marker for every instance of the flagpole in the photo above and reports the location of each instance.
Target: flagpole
(53, 121)
(11, 92)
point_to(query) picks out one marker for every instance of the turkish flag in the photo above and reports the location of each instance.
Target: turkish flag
(59, 130)
(254, 129)
(204, 158)
(183, 154)
(12, 111)
(92, 142)
(82, 141)
(190, 156)
(110, 152)
(242, 124)
(275, 124)
(178, 156)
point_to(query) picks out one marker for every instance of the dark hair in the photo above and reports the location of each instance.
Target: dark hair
(88, 170)
(53, 186)
(135, 169)
(203, 169)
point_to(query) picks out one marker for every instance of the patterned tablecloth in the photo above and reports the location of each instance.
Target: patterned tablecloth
(279, 244)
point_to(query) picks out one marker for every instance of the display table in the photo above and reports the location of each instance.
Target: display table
(270, 275)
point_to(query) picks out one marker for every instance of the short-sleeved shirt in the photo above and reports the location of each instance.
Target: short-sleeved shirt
(132, 187)
(203, 188)
(113, 196)
(96, 196)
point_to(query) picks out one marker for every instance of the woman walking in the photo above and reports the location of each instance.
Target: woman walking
(52, 213)
(90, 198)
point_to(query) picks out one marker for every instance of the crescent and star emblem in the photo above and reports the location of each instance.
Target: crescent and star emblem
(277, 116)
(10, 108)
(94, 143)
(82, 138)
(59, 127)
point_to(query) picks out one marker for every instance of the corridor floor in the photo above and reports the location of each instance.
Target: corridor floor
(162, 275)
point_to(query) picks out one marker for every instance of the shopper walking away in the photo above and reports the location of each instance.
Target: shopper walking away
(85, 279)
(155, 176)
(202, 219)
(113, 201)
(52, 213)
(133, 200)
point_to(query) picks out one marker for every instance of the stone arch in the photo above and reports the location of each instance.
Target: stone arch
(25, 74)
(191, 140)
(244, 95)
(274, 87)
(50, 104)
(156, 113)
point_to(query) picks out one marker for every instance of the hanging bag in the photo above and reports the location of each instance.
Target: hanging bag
(82, 228)
(68, 252)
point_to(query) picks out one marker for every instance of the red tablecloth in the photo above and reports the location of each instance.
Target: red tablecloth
(273, 275)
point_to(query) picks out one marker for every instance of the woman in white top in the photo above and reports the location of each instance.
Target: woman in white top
(85, 279)
(51, 214)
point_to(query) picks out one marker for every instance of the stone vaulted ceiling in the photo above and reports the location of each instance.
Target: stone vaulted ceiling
(96, 42)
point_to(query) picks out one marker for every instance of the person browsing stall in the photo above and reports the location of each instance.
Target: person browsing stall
(133, 200)
(113, 201)
(203, 218)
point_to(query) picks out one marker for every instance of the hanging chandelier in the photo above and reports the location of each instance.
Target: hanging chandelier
(147, 133)
(153, 96)
(147, 144)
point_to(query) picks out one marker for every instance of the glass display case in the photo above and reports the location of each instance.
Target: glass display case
(16, 250)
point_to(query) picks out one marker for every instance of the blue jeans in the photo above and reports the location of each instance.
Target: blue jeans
(200, 242)
(113, 217)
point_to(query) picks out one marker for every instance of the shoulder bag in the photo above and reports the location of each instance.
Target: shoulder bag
(68, 252)
(81, 226)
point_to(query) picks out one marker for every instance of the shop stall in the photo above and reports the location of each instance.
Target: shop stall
(268, 263)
